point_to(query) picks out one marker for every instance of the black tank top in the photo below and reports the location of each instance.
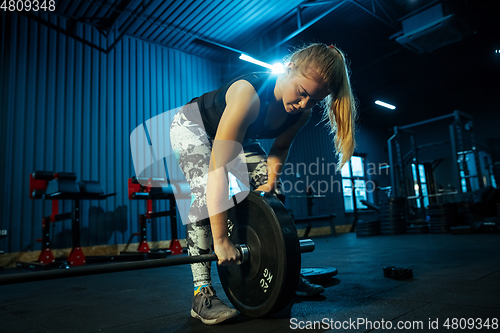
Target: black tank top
(212, 105)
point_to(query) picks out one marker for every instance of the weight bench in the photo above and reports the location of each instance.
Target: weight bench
(307, 221)
(157, 189)
(48, 185)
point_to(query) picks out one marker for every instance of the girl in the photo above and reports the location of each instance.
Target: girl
(254, 106)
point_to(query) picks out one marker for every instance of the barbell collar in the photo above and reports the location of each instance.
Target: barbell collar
(306, 245)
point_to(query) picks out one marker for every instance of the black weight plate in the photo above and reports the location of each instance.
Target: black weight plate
(413, 229)
(438, 206)
(368, 228)
(440, 215)
(366, 234)
(393, 214)
(266, 284)
(417, 227)
(390, 228)
(316, 274)
(374, 224)
(368, 225)
(439, 225)
(418, 222)
(394, 225)
(392, 218)
(382, 216)
(393, 221)
(417, 232)
(440, 221)
(442, 209)
(426, 225)
(464, 229)
(362, 222)
(368, 231)
(401, 224)
(439, 230)
(392, 233)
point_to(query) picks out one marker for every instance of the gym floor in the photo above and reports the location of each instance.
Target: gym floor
(455, 276)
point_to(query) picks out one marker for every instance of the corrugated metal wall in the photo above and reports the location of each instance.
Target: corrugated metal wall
(67, 107)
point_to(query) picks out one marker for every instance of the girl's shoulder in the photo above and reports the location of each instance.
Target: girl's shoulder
(261, 81)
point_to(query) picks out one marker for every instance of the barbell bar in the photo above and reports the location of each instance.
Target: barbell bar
(306, 245)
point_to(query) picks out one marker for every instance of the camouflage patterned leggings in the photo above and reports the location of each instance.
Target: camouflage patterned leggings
(193, 148)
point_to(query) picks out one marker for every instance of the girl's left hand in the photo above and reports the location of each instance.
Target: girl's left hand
(265, 188)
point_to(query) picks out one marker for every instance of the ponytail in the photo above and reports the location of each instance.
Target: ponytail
(340, 114)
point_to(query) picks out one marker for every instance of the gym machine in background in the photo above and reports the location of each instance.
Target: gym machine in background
(150, 189)
(469, 170)
(433, 169)
(48, 185)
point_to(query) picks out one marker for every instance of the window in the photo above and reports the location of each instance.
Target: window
(423, 182)
(354, 171)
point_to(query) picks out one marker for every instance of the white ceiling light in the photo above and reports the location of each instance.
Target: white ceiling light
(276, 68)
(385, 105)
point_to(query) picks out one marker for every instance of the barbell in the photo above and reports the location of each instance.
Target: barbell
(264, 281)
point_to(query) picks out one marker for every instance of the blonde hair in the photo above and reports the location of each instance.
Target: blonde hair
(329, 63)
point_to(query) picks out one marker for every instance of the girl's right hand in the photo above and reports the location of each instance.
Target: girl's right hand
(265, 188)
(226, 252)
